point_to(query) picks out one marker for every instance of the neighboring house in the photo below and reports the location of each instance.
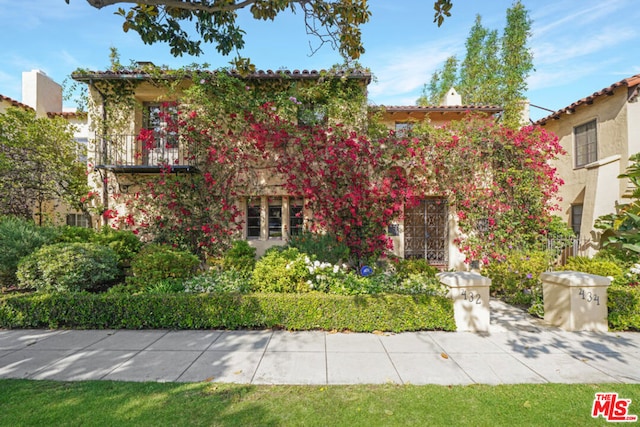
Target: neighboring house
(599, 134)
(44, 96)
(427, 231)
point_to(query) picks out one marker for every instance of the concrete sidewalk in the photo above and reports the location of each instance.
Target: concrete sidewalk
(518, 349)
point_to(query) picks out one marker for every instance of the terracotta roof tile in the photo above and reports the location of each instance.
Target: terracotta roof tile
(68, 114)
(629, 82)
(440, 108)
(259, 74)
(15, 103)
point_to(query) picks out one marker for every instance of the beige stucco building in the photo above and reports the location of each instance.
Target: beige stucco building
(599, 134)
(44, 96)
(121, 164)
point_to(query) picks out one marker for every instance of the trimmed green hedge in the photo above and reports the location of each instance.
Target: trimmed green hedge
(394, 313)
(624, 308)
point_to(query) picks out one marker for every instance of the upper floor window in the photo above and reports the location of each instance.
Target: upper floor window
(403, 128)
(586, 143)
(162, 119)
(312, 114)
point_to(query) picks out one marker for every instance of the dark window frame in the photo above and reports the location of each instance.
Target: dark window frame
(585, 143)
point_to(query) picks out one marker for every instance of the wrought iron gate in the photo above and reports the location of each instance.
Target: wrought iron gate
(426, 232)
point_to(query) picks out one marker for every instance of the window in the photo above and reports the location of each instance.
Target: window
(78, 220)
(254, 220)
(403, 128)
(576, 218)
(82, 143)
(275, 218)
(586, 143)
(295, 217)
(161, 119)
(272, 218)
(312, 114)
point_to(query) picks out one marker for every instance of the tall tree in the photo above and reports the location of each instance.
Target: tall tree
(494, 69)
(336, 22)
(38, 163)
(517, 62)
(441, 81)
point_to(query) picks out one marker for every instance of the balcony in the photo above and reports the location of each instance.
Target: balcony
(127, 154)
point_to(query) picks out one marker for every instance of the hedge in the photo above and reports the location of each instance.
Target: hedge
(395, 313)
(624, 308)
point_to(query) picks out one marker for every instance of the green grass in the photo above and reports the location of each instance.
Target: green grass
(103, 403)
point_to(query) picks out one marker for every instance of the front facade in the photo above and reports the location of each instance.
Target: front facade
(121, 164)
(599, 133)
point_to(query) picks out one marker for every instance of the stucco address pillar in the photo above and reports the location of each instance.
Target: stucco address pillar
(470, 294)
(575, 301)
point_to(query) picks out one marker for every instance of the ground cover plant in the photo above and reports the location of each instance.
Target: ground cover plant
(24, 402)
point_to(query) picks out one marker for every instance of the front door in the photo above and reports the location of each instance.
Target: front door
(426, 233)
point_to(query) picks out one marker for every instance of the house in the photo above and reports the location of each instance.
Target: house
(122, 163)
(599, 133)
(44, 96)
(427, 230)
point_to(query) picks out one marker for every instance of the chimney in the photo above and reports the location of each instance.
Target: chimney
(452, 98)
(41, 93)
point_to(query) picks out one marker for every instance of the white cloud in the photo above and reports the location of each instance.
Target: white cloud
(402, 74)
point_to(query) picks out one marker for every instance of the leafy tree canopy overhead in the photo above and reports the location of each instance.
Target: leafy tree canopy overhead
(336, 22)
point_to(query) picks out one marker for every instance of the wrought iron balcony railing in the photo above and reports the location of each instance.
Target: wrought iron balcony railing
(127, 151)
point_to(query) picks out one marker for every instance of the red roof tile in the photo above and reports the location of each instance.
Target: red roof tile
(68, 114)
(439, 108)
(260, 74)
(15, 103)
(629, 82)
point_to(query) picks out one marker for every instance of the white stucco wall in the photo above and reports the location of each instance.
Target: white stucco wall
(41, 93)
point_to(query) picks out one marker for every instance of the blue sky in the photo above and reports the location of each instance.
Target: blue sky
(579, 46)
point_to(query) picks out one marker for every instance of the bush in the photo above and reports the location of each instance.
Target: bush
(124, 243)
(281, 270)
(19, 238)
(219, 281)
(623, 303)
(310, 311)
(600, 267)
(323, 247)
(156, 262)
(68, 267)
(240, 257)
(516, 278)
(407, 267)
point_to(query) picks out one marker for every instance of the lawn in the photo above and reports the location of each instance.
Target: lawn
(103, 403)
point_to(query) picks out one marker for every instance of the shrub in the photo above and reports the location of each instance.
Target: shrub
(19, 238)
(623, 303)
(600, 267)
(515, 279)
(396, 313)
(219, 281)
(281, 270)
(70, 267)
(156, 262)
(123, 242)
(406, 267)
(240, 257)
(323, 247)
(165, 286)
